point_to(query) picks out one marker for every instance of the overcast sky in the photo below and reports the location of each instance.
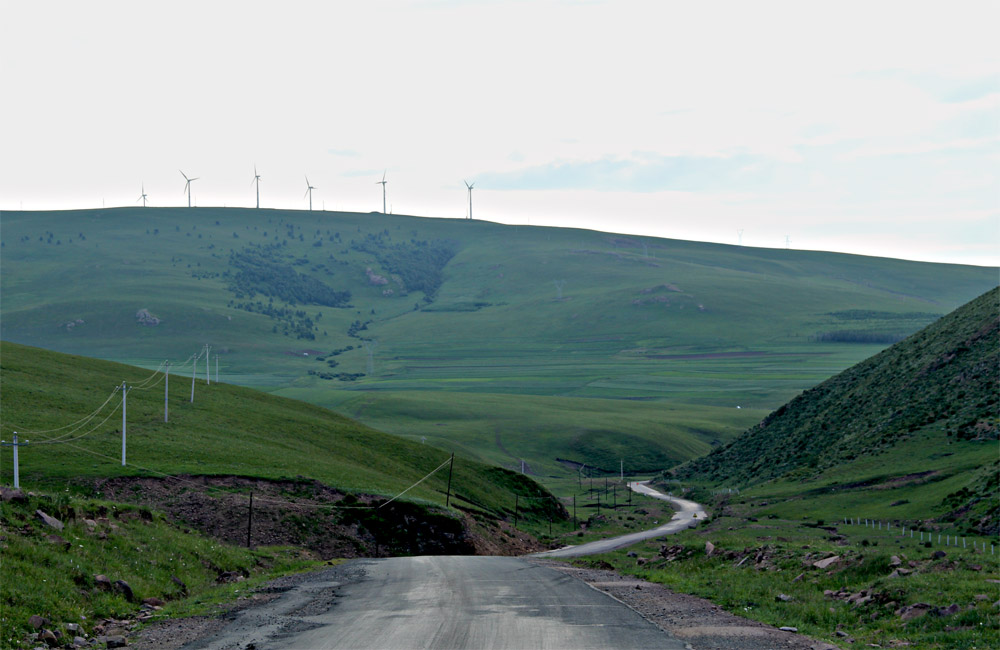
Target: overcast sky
(868, 127)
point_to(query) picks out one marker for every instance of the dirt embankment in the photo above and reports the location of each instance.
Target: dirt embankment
(308, 514)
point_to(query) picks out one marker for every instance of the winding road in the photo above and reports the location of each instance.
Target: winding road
(688, 514)
(452, 602)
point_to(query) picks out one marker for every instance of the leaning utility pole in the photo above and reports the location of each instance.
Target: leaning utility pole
(447, 498)
(166, 391)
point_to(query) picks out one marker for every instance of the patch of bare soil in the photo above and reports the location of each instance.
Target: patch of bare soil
(310, 515)
(701, 623)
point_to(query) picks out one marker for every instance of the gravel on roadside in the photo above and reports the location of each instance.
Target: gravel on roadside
(699, 622)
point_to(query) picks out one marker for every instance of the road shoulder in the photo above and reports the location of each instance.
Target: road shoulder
(699, 622)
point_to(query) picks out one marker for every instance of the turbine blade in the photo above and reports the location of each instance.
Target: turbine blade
(183, 174)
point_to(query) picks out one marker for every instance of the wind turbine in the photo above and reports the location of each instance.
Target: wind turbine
(142, 197)
(382, 183)
(309, 191)
(470, 195)
(187, 185)
(256, 179)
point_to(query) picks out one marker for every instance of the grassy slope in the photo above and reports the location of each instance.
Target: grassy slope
(227, 430)
(55, 579)
(915, 426)
(633, 318)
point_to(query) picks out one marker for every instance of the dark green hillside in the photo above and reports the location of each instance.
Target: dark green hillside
(340, 308)
(226, 431)
(921, 412)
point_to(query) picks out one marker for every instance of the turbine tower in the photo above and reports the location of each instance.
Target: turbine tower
(470, 195)
(142, 197)
(309, 191)
(382, 183)
(256, 179)
(187, 185)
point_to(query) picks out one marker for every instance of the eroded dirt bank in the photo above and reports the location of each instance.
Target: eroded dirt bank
(310, 515)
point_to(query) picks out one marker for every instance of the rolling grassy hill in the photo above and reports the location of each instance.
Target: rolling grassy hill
(910, 434)
(379, 316)
(227, 430)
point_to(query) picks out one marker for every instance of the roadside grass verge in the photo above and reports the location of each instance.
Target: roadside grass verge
(763, 569)
(51, 573)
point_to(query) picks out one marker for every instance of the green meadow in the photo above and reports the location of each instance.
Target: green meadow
(227, 430)
(644, 347)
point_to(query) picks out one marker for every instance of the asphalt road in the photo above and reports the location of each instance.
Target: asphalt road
(441, 603)
(687, 515)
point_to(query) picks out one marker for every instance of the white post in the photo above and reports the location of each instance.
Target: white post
(194, 371)
(17, 473)
(623, 469)
(124, 393)
(217, 368)
(208, 368)
(166, 391)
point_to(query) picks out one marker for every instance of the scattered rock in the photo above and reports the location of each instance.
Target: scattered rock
(79, 642)
(950, 610)
(913, 611)
(631, 554)
(102, 582)
(783, 598)
(641, 561)
(939, 554)
(143, 317)
(823, 564)
(788, 629)
(49, 521)
(49, 638)
(895, 561)
(57, 540)
(124, 589)
(14, 495)
(72, 627)
(709, 549)
(38, 622)
(230, 576)
(116, 642)
(976, 567)
(177, 581)
(982, 597)
(841, 633)
(90, 524)
(152, 602)
(798, 578)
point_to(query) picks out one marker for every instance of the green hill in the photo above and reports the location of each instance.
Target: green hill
(911, 432)
(227, 431)
(370, 313)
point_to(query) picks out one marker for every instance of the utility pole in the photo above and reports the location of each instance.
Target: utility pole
(166, 391)
(216, 368)
(17, 470)
(194, 371)
(124, 393)
(208, 366)
(447, 498)
(522, 466)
